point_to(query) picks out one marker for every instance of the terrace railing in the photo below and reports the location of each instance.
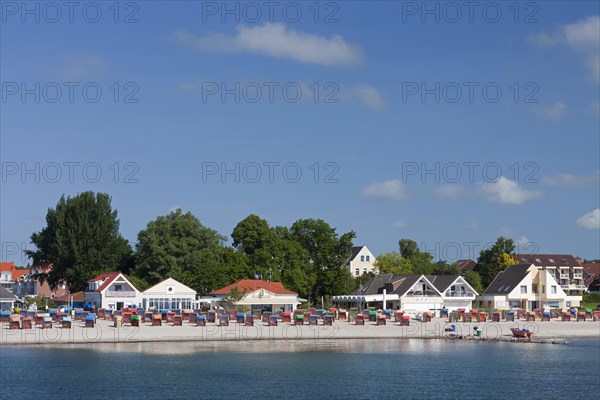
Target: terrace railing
(120, 293)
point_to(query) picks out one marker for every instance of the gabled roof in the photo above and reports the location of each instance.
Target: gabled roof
(401, 284)
(107, 277)
(169, 282)
(508, 279)
(548, 260)
(353, 253)
(466, 265)
(6, 295)
(250, 285)
(15, 272)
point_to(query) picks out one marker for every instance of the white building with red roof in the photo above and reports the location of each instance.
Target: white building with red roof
(260, 294)
(112, 290)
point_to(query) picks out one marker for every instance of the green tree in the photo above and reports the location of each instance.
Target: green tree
(422, 262)
(488, 263)
(393, 263)
(327, 252)
(178, 246)
(81, 239)
(252, 234)
(474, 280)
(443, 268)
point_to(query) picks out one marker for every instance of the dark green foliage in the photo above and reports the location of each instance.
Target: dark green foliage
(81, 239)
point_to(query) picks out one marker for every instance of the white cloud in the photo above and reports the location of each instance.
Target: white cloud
(449, 191)
(278, 41)
(554, 111)
(80, 67)
(505, 191)
(472, 225)
(173, 209)
(369, 96)
(505, 231)
(399, 224)
(581, 36)
(522, 240)
(393, 189)
(569, 180)
(590, 220)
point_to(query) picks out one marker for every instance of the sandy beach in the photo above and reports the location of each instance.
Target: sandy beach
(104, 332)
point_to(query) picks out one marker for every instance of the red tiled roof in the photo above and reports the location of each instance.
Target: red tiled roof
(250, 285)
(591, 268)
(7, 266)
(107, 277)
(15, 272)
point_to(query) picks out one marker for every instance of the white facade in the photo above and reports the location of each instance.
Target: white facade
(538, 289)
(112, 291)
(361, 262)
(459, 295)
(169, 294)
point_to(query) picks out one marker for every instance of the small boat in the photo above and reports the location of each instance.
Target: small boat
(521, 333)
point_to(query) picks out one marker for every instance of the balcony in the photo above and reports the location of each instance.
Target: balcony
(564, 287)
(469, 295)
(119, 293)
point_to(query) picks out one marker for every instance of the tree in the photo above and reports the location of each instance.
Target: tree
(488, 263)
(505, 260)
(232, 297)
(393, 263)
(327, 252)
(422, 262)
(474, 280)
(178, 246)
(81, 239)
(252, 234)
(443, 268)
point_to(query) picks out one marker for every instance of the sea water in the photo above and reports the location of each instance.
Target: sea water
(336, 369)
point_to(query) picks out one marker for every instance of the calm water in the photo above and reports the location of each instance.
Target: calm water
(344, 369)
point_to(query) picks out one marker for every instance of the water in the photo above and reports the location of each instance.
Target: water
(342, 369)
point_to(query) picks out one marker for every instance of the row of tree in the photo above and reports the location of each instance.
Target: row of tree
(81, 239)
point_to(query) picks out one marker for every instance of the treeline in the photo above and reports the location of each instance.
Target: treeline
(81, 239)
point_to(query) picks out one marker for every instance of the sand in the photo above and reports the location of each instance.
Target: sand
(104, 332)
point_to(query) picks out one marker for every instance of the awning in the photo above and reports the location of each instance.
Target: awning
(366, 298)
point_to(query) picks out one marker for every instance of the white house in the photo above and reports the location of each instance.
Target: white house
(270, 296)
(169, 294)
(525, 286)
(456, 291)
(112, 290)
(412, 293)
(360, 261)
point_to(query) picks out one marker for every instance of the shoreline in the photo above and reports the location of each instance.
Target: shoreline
(105, 333)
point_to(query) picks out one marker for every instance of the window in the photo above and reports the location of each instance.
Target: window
(362, 258)
(534, 288)
(537, 260)
(551, 260)
(543, 289)
(364, 270)
(553, 289)
(357, 272)
(368, 258)
(117, 287)
(523, 289)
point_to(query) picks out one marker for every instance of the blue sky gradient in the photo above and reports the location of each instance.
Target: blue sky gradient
(367, 62)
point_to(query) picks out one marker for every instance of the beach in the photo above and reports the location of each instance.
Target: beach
(105, 332)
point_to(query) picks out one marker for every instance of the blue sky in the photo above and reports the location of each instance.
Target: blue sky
(503, 109)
